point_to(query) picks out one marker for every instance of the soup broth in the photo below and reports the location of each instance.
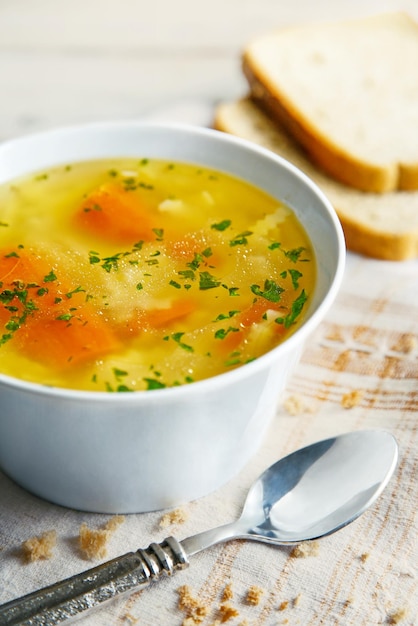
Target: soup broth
(130, 275)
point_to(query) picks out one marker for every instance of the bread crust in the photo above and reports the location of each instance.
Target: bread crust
(360, 238)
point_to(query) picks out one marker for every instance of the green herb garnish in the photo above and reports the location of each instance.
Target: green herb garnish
(159, 233)
(221, 225)
(221, 333)
(187, 274)
(177, 337)
(207, 281)
(26, 307)
(78, 289)
(153, 383)
(294, 254)
(241, 239)
(225, 316)
(295, 311)
(272, 291)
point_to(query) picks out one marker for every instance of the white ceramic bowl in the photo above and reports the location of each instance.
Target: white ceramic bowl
(138, 452)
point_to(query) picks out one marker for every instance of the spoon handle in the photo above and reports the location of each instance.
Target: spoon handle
(68, 598)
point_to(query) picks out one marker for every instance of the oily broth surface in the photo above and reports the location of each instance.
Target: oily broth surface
(214, 274)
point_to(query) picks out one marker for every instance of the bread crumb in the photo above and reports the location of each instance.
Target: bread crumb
(396, 616)
(227, 593)
(178, 516)
(93, 542)
(254, 595)
(227, 612)
(37, 548)
(364, 557)
(303, 550)
(188, 621)
(195, 611)
(351, 399)
(286, 603)
(114, 522)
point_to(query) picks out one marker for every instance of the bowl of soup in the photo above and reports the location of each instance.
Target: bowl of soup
(157, 286)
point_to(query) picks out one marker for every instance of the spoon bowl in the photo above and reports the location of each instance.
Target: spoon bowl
(321, 488)
(312, 492)
(308, 494)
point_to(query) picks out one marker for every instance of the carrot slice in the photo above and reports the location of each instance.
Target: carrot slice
(116, 215)
(61, 344)
(49, 322)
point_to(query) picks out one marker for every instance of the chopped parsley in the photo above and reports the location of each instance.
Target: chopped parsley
(221, 225)
(159, 233)
(225, 316)
(295, 275)
(78, 289)
(49, 278)
(207, 281)
(153, 383)
(177, 337)
(195, 263)
(296, 309)
(187, 274)
(272, 291)
(241, 239)
(221, 333)
(19, 312)
(65, 317)
(294, 255)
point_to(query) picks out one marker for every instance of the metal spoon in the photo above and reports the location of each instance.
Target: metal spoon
(306, 495)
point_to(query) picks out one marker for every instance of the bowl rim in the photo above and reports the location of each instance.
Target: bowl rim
(225, 378)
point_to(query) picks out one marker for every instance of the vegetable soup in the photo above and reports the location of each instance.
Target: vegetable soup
(126, 275)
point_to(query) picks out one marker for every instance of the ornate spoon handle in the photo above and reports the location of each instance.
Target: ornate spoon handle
(70, 597)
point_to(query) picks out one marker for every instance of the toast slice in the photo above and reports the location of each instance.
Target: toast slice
(375, 225)
(348, 92)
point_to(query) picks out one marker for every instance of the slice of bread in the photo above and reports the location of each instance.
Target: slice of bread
(348, 92)
(375, 225)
